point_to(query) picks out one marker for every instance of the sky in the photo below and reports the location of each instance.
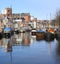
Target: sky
(42, 9)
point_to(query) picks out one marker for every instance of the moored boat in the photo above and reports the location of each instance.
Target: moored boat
(40, 34)
(7, 32)
(50, 34)
(1, 33)
(33, 32)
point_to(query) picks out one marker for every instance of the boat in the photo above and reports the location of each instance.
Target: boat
(50, 34)
(7, 32)
(40, 34)
(57, 35)
(1, 35)
(33, 32)
(1, 32)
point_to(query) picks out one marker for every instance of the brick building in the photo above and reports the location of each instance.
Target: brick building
(7, 12)
(26, 16)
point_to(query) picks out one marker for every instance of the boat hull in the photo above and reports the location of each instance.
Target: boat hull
(39, 35)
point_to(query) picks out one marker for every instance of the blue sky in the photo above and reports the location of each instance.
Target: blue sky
(38, 8)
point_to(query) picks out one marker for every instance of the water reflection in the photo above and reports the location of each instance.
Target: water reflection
(6, 44)
(37, 52)
(49, 48)
(21, 39)
(24, 39)
(58, 48)
(1, 42)
(56, 53)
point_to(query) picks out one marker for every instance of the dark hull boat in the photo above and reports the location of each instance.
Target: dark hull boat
(1, 35)
(40, 35)
(17, 32)
(7, 32)
(50, 34)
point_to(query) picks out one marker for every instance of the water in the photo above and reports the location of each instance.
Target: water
(24, 49)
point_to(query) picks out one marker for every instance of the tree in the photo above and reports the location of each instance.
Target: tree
(58, 17)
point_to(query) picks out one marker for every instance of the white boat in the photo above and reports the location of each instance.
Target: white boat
(33, 32)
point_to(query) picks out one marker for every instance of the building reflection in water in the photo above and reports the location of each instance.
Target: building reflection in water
(33, 39)
(7, 44)
(1, 42)
(21, 39)
(26, 39)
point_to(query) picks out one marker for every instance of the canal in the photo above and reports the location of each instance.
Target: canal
(25, 49)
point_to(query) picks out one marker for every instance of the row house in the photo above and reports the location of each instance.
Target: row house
(24, 16)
